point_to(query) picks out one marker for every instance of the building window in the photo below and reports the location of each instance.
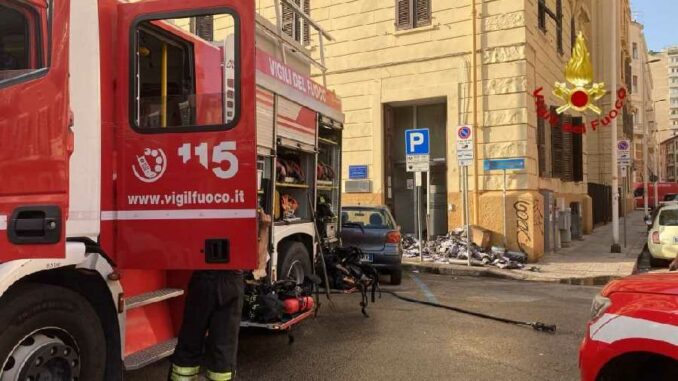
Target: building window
(635, 84)
(635, 51)
(294, 25)
(543, 11)
(412, 14)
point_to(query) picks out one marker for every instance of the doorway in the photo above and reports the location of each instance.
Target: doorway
(400, 184)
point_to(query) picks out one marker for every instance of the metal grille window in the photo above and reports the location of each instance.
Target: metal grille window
(412, 13)
(557, 16)
(294, 25)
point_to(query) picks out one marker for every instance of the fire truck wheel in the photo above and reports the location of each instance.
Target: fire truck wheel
(295, 262)
(49, 333)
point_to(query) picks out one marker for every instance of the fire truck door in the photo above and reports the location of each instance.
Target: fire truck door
(35, 140)
(186, 148)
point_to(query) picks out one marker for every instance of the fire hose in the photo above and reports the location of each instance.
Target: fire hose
(536, 325)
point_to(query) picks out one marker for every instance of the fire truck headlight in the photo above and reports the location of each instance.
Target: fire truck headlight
(599, 306)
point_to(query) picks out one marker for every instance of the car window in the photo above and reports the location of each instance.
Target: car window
(668, 217)
(638, 192)
(367, 218)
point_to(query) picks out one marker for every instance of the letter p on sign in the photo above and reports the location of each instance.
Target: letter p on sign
(417, 142)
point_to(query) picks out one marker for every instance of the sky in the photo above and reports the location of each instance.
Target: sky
(659, 19)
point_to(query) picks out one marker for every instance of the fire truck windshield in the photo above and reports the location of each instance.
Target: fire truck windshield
(186, 72)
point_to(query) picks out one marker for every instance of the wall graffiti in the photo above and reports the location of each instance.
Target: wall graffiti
(521, 208)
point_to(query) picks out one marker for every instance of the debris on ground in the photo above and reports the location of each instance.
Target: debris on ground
(452, 247)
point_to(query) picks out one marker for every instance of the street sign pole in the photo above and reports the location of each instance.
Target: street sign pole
(417, 152)
(516, 163)
(465, 157)
(468, 217)
(421, 243)
(504, 211)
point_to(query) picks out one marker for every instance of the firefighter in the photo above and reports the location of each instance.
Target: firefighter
(209, 331)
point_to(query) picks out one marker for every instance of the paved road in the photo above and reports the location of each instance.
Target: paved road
(403, 341)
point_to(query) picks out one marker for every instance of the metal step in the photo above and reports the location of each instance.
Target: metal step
(152, 297)
(150, 355)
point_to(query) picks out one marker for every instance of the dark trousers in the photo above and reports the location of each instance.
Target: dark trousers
(209, 331)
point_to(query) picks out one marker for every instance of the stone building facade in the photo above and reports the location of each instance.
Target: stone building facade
(402, 64)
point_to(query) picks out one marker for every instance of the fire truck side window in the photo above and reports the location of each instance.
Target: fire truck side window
(186, 73)
(21, 52)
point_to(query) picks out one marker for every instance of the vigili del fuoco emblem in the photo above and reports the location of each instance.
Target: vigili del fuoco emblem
(579, 73)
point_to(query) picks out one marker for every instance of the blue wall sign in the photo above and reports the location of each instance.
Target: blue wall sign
(357, 172)
(500, 164)
(417, 142)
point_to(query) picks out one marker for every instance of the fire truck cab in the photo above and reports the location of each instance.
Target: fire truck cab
(136, 145)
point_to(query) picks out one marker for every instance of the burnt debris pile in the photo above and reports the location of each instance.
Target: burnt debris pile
(451, 248)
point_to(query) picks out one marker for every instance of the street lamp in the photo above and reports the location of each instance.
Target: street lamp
(645, 166)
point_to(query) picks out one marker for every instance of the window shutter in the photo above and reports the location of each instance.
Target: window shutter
(307, 28)
(204, 27)
(578, 149)
(403, 14)
(422, 13)
(556, 146)
(541, 146)
(567, 157)
(288, 20)
(559, 25)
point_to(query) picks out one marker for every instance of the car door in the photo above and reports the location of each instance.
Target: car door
(35, 140)
(186, 165)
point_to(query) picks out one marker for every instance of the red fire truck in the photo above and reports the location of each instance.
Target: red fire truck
(136, 144)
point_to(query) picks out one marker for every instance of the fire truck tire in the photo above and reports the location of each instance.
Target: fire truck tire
(295, 262)
(51, 333)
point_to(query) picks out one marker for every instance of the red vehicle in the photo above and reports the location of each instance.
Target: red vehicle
(662, 190)
(633, 333)
(132, 152)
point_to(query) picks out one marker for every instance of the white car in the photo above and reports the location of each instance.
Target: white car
(662, 239)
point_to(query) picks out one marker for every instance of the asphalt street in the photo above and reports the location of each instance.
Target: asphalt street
(404, 341)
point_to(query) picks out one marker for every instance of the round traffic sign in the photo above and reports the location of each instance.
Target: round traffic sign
(623, 145)
(464, 132)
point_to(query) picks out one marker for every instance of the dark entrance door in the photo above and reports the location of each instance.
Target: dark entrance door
(400, 184)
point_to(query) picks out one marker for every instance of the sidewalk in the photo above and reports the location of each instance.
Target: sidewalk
(585, 262)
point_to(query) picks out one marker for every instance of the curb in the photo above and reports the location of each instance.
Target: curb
(457, 270)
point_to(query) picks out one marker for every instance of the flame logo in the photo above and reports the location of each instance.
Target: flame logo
(579, 72)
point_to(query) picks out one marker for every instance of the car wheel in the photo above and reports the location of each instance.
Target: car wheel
(295, 262)
(396, 277)
(50, 333)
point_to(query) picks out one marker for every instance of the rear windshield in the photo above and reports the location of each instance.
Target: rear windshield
(367, 218)
(668, 217)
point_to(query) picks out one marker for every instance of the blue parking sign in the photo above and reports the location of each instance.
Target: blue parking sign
(417, 142)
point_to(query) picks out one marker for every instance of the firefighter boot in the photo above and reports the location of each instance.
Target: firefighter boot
(219, 376)
(183, 373)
